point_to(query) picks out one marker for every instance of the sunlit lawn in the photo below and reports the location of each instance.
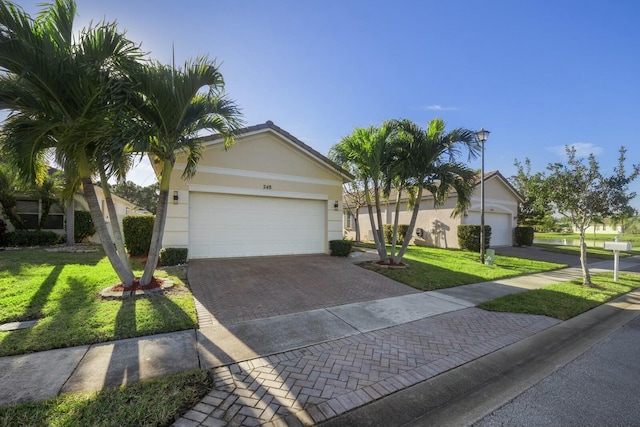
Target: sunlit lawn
(61, 290)
(148, 403)
(434, 268)
(590, 237)
(599, 253)
(565, 300)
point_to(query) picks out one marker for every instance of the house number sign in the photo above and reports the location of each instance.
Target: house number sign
(266, 187)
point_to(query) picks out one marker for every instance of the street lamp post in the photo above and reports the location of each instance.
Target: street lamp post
(482, 136)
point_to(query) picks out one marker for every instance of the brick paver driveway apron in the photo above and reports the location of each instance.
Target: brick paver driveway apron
(235, 290)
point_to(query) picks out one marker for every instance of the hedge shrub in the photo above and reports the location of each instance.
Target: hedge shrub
(340, 247)
(32, 238)
(524, 236)
(388, 233)
(173, 256)
(469, 237)
(3, 232)
(82, 226)
(137, 231)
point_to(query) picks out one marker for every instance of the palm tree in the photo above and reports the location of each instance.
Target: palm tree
(428, 160)
(364, 153)
(65, 94)
(175, 106)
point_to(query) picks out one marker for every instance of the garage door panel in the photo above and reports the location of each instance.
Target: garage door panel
(224, 225)
(500, 226)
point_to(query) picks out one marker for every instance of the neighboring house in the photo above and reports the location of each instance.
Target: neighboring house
(438, 228)
(30, 211)
(268, 194)
(606, 228)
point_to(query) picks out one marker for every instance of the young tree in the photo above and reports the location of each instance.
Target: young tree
(621, 210)
(534, 208)
(580, 193)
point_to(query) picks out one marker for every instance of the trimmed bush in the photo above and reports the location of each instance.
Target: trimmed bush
(388, 233)
(340, 247)
(173, 256)
(82, 226)
(32, 238)
(469, 237)
(137, 231)
(524, 236)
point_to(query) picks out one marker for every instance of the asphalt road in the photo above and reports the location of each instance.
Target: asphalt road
(599, 388)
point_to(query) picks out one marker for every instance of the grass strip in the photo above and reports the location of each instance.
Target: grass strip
(435, 268)
(157, 402)
(565, 300)
(599, 253)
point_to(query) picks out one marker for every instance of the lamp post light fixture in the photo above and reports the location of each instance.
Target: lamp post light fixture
(482, 136)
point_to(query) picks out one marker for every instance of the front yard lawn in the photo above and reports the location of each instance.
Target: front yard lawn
(434, 268)
(61, 289)
(565, 300)
(155, 402)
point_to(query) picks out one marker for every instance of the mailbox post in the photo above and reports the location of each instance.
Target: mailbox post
(616, 247)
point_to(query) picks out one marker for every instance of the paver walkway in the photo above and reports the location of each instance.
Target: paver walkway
(312, 384)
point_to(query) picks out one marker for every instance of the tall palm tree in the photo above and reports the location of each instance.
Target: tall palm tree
(428, 160)
(66, 94)
(364, 152)
(175, 106)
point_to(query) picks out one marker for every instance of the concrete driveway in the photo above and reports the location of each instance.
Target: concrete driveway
(235, 290)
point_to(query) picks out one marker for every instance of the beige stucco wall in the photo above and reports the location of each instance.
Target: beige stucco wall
(441, 230)
(260, 164)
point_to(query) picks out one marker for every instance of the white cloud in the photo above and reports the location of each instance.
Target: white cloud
(439, 108)
(583, 149)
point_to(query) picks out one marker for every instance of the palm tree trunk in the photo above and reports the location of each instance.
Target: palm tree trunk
(158, 227)
(382, 250)
(71, 222)
(412, 224)
(125, 274)
(113, 219)
(394, 235)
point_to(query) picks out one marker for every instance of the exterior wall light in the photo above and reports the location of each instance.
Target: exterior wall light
(175, 197)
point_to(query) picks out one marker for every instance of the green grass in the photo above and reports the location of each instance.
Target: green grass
(434, 268)
(61, 289)
(156, 402)
(601, 237)
(565, 300)
(575, 250)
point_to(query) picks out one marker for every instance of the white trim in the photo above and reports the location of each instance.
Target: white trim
(261, 175)
(256, 192)
(492, 208)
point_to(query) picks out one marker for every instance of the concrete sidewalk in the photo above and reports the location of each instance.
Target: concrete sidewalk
(302, 367)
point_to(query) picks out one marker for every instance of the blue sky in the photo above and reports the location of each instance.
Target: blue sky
(538, 74)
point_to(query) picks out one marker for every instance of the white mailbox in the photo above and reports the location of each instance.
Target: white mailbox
(617, 246)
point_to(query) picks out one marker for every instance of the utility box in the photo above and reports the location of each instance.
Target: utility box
(618, 246)
(490, 256)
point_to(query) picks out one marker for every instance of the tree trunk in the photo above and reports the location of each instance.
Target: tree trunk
(113, 219)
(412, 224)
(356, 222)
(158, 226)
(124, 272)
(394, 235)
(382, 250)
(71, 222)
(586, 276)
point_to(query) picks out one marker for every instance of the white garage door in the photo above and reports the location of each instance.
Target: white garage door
(224, 225)
(500, 226)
